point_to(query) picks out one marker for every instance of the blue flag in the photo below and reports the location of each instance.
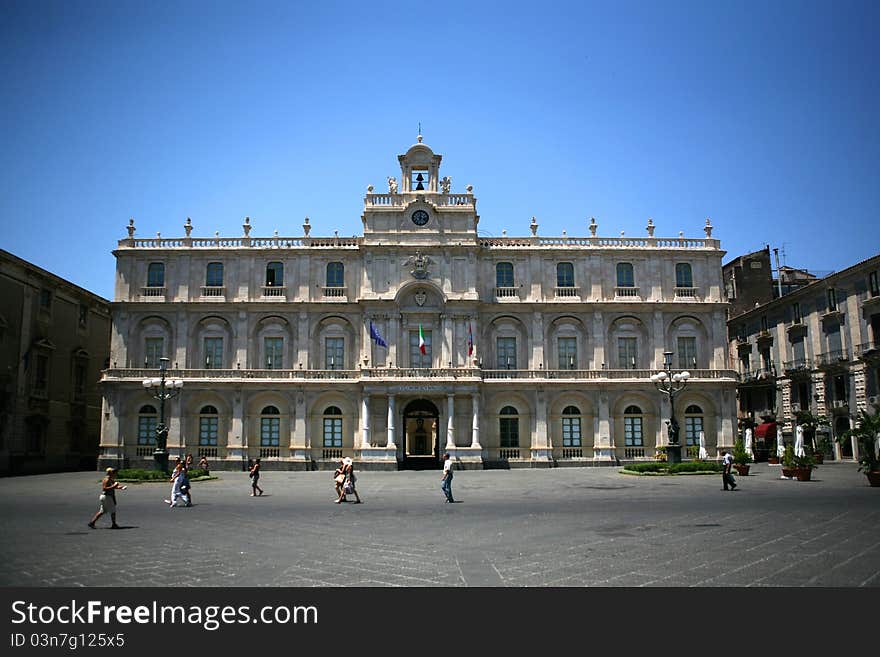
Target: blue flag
(374, 333)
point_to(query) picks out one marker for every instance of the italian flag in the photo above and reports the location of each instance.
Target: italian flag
(422, 341)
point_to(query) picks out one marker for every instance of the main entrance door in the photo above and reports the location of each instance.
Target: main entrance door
(421, 444)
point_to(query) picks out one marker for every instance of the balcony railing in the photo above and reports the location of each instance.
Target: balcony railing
(278, 291)
(213, 291)
(566, 292)
(762, 374)
(686, 292)
(508, 453)
(834, 357)
(270, 452)
(572, 452)
(634, 452)
(334, 292)
(153, 291)
(796, 365)
(626, 293)
(506, 292)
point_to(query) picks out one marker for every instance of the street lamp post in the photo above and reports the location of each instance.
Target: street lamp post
(162, 390)
(671, 384)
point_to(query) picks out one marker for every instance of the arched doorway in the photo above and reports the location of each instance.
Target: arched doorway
(421, 438)
(841, 425)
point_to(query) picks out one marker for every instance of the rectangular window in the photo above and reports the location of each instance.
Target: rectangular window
(832, 299)
(147, 429)
(505, 348)
(332, 432)
(334, 353)
(687, 353)
(270, 431)
(745, 363)
(565, 274)
(273, 348)
(693, 425)
(214, 274)
(416, 357)
(568, 359)
(796, 310)
(208, 431)
(504, 274)
(509, 429)
(335, 274)
(873, 284)
(766, 361)
(627, 354)
(799, 351)
(83, 319)
(632, 432)
(213, 353)
(571, 432)
(156, 274)
(835, 345)
(274, 274)
(683, 275)
(626, 275)
(765, 325)
(153, 348)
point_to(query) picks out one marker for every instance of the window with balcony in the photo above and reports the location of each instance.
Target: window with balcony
(274, 274)
(625, 275)
(416, 357)
(332, 427)
(153, 348)
(873, 284)
(627, 353)
(567, 352)
(270, 427)
(693, 424)
(214, 274)
(796, 312)
(208, 426)
(273, 351)
(156, 274)
(683, 275)
(213, 353)
(633, 422)
(564, 274)
(508, 427)
(335, 274)
(504, 274)
(334, 353)
(687, 352)
(831, 293)
(571, 426)
(148, 419)
(505, 351)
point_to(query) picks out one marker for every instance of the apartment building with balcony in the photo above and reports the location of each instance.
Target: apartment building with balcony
(417, 338)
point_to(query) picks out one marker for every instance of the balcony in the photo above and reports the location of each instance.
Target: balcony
(566, 292)
(507, 292)
(336, 293)
(868, 350)
(153, 292)
(274, 292)
(627, 293)
(796, 365)
(832, 358)
(767, 375)
(214, 292)
(685, 293)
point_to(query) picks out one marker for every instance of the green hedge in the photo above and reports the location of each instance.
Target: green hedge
(674, 468)
(155, 475)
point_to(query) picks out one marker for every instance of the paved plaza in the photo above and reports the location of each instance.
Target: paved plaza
(514, 528)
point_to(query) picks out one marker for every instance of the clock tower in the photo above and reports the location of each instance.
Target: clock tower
(420, 208)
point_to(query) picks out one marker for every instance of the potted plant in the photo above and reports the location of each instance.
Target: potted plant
(811, 423)
(865, 433)
(788, 465)
(803, 467)
(741, 458)
(821, 443)
(772, 454)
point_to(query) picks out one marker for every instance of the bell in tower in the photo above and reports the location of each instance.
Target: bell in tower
(420, 179)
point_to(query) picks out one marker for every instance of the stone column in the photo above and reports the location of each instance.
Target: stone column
(365, 421)
(446, 341)
(391, 418)
(366, 341)
(450, 421)
(236, 442)
(475, 421)
(298, 440)
(603, 441)
(540, 447)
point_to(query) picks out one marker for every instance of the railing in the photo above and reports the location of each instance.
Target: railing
(420, 372)
(273, 291)
(564, 292)
(152, 291)
(208, 452)
(434, 197)
(508, 453)
(796, 365)
(144, 450)
(572, 452)
(685, 292)
(270, 452)
(867, 348)
(834, 357)
(338, 292)
(213, 291)
(602, 242)
(626, 292)
(757, 375)
(634, 452)
(506, 292)
(331, 453)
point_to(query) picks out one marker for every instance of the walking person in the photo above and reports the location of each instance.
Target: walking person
(349, 480)
(185, 486)
(727, 471)
(203, 465)
(339, 480)
(107, 501)
(255, 478)
(177, 479)
(446, 479)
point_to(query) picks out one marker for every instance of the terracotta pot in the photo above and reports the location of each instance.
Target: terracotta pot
(873, 477)
(803, 474)
(773, 460)
(788, 472)
(742, 468)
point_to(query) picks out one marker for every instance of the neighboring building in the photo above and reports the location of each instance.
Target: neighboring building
(812, 350)
(748, 281)
(54, 342)
(505, 352)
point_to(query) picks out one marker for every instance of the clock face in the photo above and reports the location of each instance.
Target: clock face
(420, 217)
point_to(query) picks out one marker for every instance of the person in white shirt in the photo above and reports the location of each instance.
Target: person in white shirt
(446, 479)
(726, 471)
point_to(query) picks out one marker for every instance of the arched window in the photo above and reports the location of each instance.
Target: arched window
(504, 274)
(625, 275)
(274, 274)
(564, 274)
(571, 426)
(332, 427)
(508, 425)
(633, 435)
(214, 274)
(693, 424)
(683, 275)
(270, 427)
(147, 421)
(335, 274)
(208, 422)
(156, 274)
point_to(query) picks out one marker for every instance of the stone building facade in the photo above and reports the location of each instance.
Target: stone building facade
(54, 343)
(816, 350)
(417, 338)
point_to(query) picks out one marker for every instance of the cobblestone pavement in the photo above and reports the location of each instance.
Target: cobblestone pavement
(516, 528)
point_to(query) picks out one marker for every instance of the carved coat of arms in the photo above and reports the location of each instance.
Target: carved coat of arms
(419, 265)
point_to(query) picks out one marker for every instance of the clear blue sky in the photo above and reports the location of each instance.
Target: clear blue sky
(760, 115)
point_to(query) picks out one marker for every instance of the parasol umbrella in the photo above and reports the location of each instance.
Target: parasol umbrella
(799, 441)
(780, 447)
(748, 443)
(703, 453)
